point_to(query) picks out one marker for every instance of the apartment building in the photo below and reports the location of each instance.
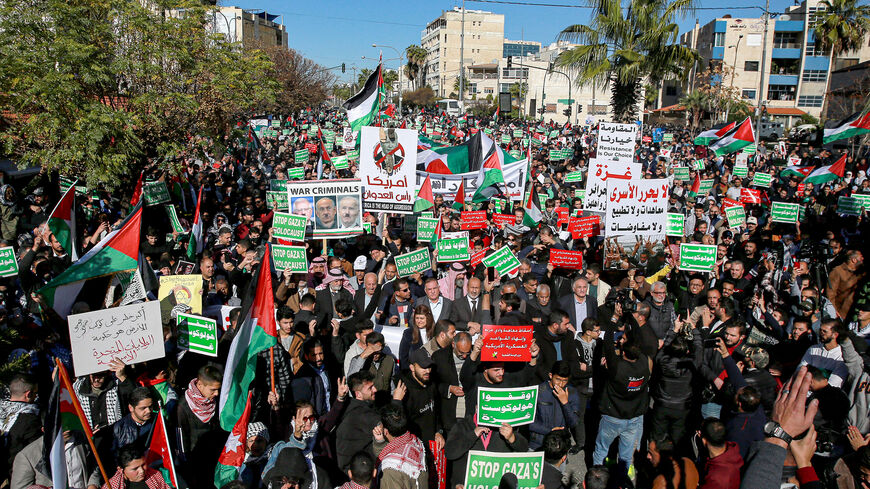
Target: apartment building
(249, 26)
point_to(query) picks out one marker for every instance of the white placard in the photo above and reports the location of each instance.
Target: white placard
(388, 163)
(600, 172)
(133, 334)
(616, 142)
(638, 207)
(447, 185)
(742, 159)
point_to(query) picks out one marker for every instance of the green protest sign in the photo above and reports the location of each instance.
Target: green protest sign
(290, 257)
(277, 200)
(741, 171)
(705, 187)
(156, 193)
(426, 229)
(556, 155)
(515, 153)
(505, 139)
(554, 133)
(864, 199)
(289, 226)
(67, 182)
(849, 206)
(278, 185)
(580, 194)
(515, 406)
(353, 154)
(542, 199)
(173, 218)
(367, 227)
(681, 172)
(301, 156)
(8, 262)
(454, 249)
(197, 334)
(503, 260)
(484, 470)
(276, 123)
(296, 173)
(499, 205)
(340, 162)
(784, 212)
(487, 131)
(518, 133)
(698, 164)
(676, 222)
(751, 149)
(413, 262)
(574, 176)
(697, 257)
(736, 216)
(762, 179)
(668, 137)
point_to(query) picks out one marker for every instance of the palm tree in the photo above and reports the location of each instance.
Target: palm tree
(840, 28)
(696, 104)
(416, 63)
(628, 49)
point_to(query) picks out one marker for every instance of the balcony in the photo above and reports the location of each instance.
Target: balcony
(783, 79)
(786, 53)
(789, 26)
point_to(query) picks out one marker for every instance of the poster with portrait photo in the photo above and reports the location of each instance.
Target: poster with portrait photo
(333, 207)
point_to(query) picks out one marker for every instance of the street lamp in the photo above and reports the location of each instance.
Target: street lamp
(401, 62)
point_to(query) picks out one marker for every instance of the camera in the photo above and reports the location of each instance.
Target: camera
(623, 297)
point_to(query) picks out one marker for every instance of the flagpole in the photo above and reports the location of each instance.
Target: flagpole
(272, 369)
(81, 416)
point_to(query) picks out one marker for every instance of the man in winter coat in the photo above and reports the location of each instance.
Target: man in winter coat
(722, 467)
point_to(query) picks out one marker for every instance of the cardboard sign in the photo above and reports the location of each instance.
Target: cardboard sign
(426, 229)
(676, 225)
(503, 260)
(413, 262)
(741, 171)
(473, 220)
(506, 343)
(584, 227)
(155, 193)
(736, 216)
(477, 257)
(277, 200)
(334, 207)
(179, 289)
(762, 179)
(681, 173)
(516, 406)
(133, 334)
(726, 203)
(484, 470)
(697, 257)
(197, 334)
(863, 199)
(290, 257)
(388, 166)
(451, 250)
(501, 219)
(786, 212)
(637, 207)
(289, 226)
(296, 173)
(8, 262)
(704, 187)
(278, 185)
(572, 260)
(301, 156)
(574, 176)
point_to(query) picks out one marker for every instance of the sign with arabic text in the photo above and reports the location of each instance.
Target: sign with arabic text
(484, 470)
(197, 334)
(784, 212)
(681, 172)
(584, 227)
(8, 262)
(697, 257)
(515, 406)
(637, 207)
(447, 185)
(676, 223)
(506, 343)
(616, 142)
(600, 173)
(762, 179)
(173, 219)
(388, 163)
(413, 262)
(849, 206)
(503, 260)
(450, 250)
(741, 171)
(156, 193)
(572, 260)
(291, 258)
(472, 220)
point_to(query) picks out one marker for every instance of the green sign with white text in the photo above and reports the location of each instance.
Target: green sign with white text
(676, 221)
(784, 212)
(290, 257)
(197, 334)
(413, 262)
(697, 257)
(514, 406)
(484, 470)
(289, 226)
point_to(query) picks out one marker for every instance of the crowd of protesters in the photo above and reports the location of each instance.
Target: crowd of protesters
(756, 375)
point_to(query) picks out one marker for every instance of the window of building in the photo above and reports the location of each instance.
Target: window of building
(748, 94)
(750, 66)
(814, 75)
(488, 90)
(841, 63)
(810, 101)
(780, 92)
(671, 91)
(505, 88)
(445, 37)
(718, 39)
(786, 40)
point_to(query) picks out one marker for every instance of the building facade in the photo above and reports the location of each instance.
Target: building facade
(249, 26)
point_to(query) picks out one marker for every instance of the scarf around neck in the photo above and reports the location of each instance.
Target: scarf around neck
(405, 454)
(200, 406)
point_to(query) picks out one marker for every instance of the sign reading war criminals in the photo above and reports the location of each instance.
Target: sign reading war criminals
(333, 206)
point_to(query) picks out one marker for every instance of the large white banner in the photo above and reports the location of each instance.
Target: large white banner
(132, 334)
(601, 172)
(616, 142)
(514, 179)
(333, 206)
(388, 160)
(637, 207)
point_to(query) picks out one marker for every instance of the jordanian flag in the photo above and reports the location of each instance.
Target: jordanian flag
(256, 333)
(716, 132)
(735, 139)
(62, 222)
(796, 171)
(195, 245)
(828, 173)
(158, 449)
(425, 198)
(362, 108)
(854, 125)
(117, 252)
(233, 454)
(490, 174)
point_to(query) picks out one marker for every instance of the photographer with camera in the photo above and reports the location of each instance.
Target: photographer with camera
(713, 370)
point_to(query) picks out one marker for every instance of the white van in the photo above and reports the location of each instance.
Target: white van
(453, 107)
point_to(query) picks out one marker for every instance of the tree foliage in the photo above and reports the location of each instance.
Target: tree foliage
(415, 69)
(91, 88)
(302, 83)
(421, 97)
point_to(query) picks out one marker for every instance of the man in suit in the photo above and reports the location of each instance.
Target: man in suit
(367, 297)
(468, 313)
(578, 305)
(448, 364)
(333, 288)
(438, 304)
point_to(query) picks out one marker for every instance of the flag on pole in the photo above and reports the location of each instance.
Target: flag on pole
(256, 333)
(195, 245)
(425, 197)
(696, 186)
(495, 115)
(137, 192)
(735, 139)
(62, 222)
(827, 173)
(362, 108)
(53, 445)
(459, 198)
(158, 449)
(532, 207)
(323, 157)
(716, 132)
(796, 171)
(233, 454)
(490, 174)
(854, 125)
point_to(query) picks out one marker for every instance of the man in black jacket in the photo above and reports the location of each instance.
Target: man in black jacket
(579, 302)
(556, 343)
(468, 313)
(354, 434)
(420, 400)
(448, 365)
(367, 298)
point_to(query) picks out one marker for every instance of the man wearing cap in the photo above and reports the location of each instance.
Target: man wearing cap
(419, 401)
(359, 271)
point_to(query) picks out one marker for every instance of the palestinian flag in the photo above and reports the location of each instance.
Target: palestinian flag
(533, 209)
(425, 198)
(854, 125)
(828, 173)
(195, 245)
(362, 108)
(452, 160)
(233, 454)
(716, 132)
(117, 252)
(256, 333)
(459, 198)
(696, 186)
(735, 139)
(158, 449)
(495, 116)
(490, 174)
(62, 222)
(796, 171)
(53, 445)
(323, 157)
(137, 192)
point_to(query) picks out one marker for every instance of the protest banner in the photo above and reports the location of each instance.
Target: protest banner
(8, 262)
(484, 470)
(668, 137)
(584, 227)
(736, 216)
(698, 164)
(426, 229)
(504, 261)
(388, 161)
(276, 185)
(447, 185)
(473, 220)
(501, 219)
(572, 260)
(580, 193)
(676, 223)
(563, 214)
(156, 193)
(289, 226)
(762, 179)
(477, 257)
(518, 133)
(786, 212)
(704, 187)
(601, 172)
(197, 334)
(514, 406)
(333, 206)
(741, 171)
(574, 176)
(697, 257)
(681, 173)
(132, 334)
(848, 206)
(291, 258)
(506, 343)
(173, 219)
(616, 142)
(637, 207)
(505, 139)
(277, 200)
(179, 290)
(296, 173)
(750, 196)
(300, 157)
(450, 250)
(413, 262)
(340, 162)
(863, 199)
(726, 203)
(742, 159)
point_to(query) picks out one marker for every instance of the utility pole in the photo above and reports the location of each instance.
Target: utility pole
(462, 54)
(760, 97)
